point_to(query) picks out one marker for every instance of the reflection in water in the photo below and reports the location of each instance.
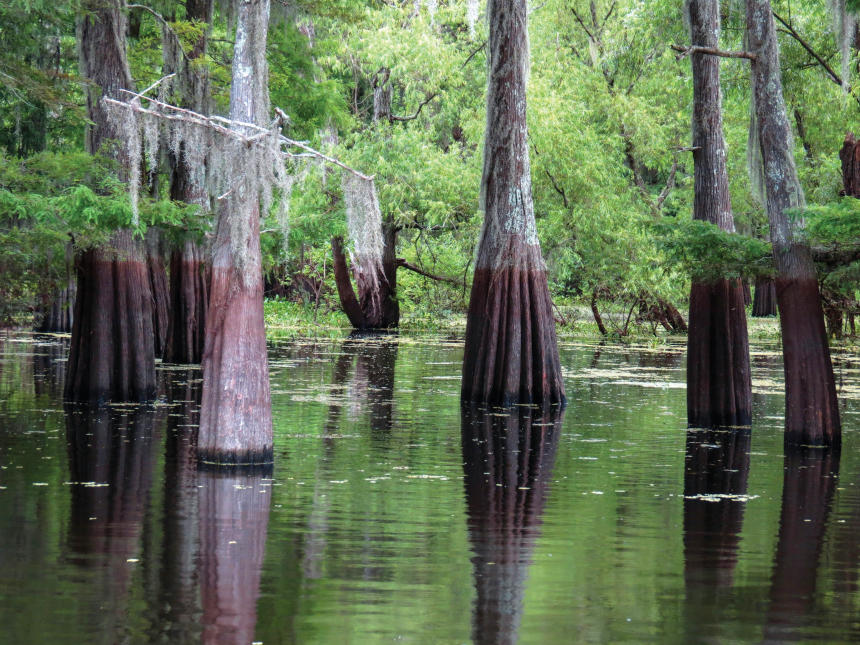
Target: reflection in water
(716, 470)
(809, 482)
(49, 367)
(111, 458)
(233, 519)
(179, 604)
(507, 461)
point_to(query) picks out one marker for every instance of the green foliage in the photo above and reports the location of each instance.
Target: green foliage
(708, 253)
(834, 223)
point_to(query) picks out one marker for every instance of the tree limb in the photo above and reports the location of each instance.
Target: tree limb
(400, 262)
(394, 117)
(711, 51)
(791, 32)
(164, 24)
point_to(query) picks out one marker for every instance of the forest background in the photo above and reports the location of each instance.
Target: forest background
(609, 127)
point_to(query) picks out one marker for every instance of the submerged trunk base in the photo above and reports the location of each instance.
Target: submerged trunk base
(812, 409)
(236, 412)
(111, 356)
(719, 389)
(511, 349)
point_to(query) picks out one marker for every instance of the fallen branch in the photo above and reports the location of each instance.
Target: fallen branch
(711, 51)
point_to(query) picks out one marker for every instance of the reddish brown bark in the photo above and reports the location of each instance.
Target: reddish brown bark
(236, 410)
(371, 309)
(850, 158)
(719, 385)
(111, 355)
(764, 300)
(810, 390)
(507, 463)
(233, 518)
(598, 319)
(747, 292)
(189, 300)
(158, 286)
(812, 413)
(57, 312)
(511, 353)
(112, 352)
(809, 483)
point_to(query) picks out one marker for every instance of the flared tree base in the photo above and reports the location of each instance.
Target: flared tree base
(111, 356)
(811, 406)
(511, 353)
(236, 412)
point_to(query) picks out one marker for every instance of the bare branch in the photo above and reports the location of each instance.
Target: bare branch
(163, 22)
(394, 117)
(711, 51)
(400, 262)
(827, 68)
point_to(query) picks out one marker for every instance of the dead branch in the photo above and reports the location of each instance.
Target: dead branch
(711, 51)
(400, 262)
(394, 117)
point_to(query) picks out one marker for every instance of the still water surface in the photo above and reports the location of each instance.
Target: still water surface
(394, 516)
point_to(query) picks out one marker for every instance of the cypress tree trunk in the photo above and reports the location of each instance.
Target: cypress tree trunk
(511, 355)
(850, 158)
(812, 412)
(189, 298)
(112, 353)
(373, 308)
(189, 292)
(58, 313)
(236, 411)
(719, 386)
(158, 284)
(764, 299)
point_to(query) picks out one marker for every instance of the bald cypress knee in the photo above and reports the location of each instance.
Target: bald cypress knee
(236, 411)
(719, 388)
(511, 354)
(812, 412)
(112, 353)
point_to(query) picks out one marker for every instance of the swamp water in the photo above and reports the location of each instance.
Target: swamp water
(393, 516)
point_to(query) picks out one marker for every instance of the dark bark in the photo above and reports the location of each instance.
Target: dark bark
(370, 309)
(809, 483)
(236, 410)
(111, 356)
(747, 292)
(507, 463)
(58, 311)
(189, 279)
(719, 386)
(233, 519)
(158, 285)
(112, 353)
(189, 300)
(764, 299)
(511, 354)
(596, 313)
(673, 316)
(849, 155)
(812, 413)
